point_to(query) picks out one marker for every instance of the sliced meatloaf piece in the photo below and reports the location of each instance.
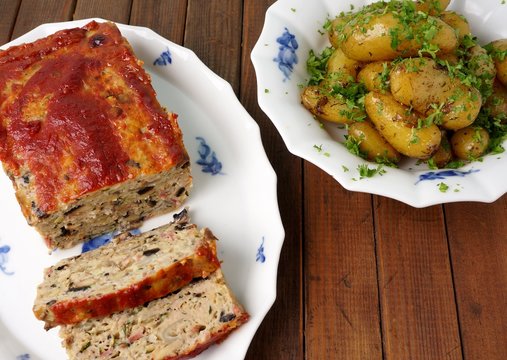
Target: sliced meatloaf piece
(178, 326)
(127, 272)
(88, 147)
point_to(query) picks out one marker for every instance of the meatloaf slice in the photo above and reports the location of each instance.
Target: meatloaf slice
(88, 147)
(178, 326)
(127, 272)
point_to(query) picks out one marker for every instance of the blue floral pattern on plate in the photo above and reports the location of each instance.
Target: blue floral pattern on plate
(23, 357)
(287, 56)
(3, 259)
(102, 240)
(260, 257)
(207, 158)
(164, 59)
(441, 175)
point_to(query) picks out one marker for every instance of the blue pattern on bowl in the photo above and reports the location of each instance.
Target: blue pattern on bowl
(164, 59)
(432, 175)
(260, 257)
(3, 259)
(102, 240)
(23, 357)
(207, 158)
(287, 56)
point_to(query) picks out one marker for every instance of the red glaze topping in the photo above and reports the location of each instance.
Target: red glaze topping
(75, 108)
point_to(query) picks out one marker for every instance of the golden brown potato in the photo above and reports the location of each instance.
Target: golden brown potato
(420, 83)
(443, 155)
(372, 143)
(341, 69)
(336, 29)
(499, 48)
(432, 7)
(451, 58)
(497, 102)
(375, 76)
(327, 107)
(400, 128)
(370, 38)
(470, 143)
(482, 66)
(458, 22)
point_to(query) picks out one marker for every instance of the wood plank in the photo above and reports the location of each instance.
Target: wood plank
(32, 13)
(280, 335)
(166, 17)
(8, 18)
(419, 318)
(114, 10)
(216, 43)
(342, 310)
(478, 244)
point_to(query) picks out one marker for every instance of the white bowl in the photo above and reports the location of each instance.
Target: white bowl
(291, 29)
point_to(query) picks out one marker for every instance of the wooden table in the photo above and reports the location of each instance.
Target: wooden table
(360, 276)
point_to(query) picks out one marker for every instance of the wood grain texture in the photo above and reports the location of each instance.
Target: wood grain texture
(9, 10)
(341, 294)
(113, 10)
(34, 12)
(280, 335)
(419, 317)
(478, 245)
(213, 32)
(166, 17)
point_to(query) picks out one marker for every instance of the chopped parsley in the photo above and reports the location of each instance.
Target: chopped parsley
(366, 172)
(443, 187)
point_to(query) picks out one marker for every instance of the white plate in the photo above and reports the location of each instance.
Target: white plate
(291, 29)
(239, 203)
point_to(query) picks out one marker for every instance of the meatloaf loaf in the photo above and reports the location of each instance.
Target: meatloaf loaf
(127, 272)
(88, 147)
(178, 326)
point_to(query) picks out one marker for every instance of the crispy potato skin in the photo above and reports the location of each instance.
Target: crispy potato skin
(371, 76)
(372, 41)
(457, 22)
(326, 107)
(501, 65)
(372, 143)
(420, 83)
(399, 126)
(470, 143)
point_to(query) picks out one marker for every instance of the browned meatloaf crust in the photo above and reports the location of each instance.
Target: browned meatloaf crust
(125, 273)
(83, 138)
(178, 326)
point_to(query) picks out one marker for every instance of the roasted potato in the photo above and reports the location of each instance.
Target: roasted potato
(383, 36)
(482, 66)
(498, 51)
(375, 76)
(372, 143)
(341, 69)
(443, 155)
(400, 127)
(470, 143)
(458, 22)
(420, 83)
(336, 28)
(432, 7)
(327, 107)
(497, 102)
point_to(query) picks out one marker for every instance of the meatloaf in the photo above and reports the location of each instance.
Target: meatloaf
(178, 326)
(127, 272)
(88, 147)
